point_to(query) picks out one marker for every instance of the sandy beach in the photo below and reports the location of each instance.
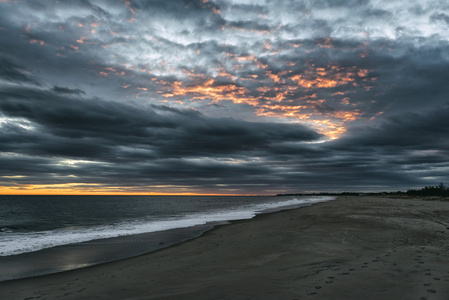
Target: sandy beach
(350, 248)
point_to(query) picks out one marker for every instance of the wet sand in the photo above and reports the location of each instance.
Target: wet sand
(351, 248)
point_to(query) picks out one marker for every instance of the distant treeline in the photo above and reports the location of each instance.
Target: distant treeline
(440, 190)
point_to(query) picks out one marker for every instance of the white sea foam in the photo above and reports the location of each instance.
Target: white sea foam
(17, 243)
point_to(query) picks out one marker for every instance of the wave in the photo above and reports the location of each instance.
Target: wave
(18, 243)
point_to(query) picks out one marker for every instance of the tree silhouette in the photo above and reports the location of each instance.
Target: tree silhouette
(441, 190)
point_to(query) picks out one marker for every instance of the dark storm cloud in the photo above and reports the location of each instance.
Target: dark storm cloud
(151, 145)
(63, 90)
(249, 25)
(224, 96)
(11, 71)
(404, 149)
(411, 130)
(66, 126)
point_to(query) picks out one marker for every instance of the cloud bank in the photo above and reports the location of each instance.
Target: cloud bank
(228, 97)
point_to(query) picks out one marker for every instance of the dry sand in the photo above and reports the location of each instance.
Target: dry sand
(351, 248)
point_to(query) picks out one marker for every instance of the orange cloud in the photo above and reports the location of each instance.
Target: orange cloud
(276, 97)
(330, 128)
(326, 43)
(329, 77)
(347, 115)
(209, 89)
(108, 71)
(33, 41)
(362, 72)
(81, 40)
(364, 50)
(128, 4)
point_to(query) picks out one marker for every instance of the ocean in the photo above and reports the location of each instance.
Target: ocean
(48, 234)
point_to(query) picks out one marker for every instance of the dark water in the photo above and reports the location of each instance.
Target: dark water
(94, 229)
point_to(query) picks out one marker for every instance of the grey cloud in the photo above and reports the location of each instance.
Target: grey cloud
(339, 3)
(439, 17)
(249, 25)
(64, 90)
(152, 142)
(376, 13)
(67, 125)
(402, 151)
(412, 129)
(14, 72)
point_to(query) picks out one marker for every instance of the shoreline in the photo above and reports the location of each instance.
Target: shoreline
(99, 251)
(75, 256)
(352, 248)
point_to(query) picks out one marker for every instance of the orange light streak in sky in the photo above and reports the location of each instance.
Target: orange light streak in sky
(65, 189)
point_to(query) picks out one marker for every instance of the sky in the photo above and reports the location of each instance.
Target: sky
(223, 96)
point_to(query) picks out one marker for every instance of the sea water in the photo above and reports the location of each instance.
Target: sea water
(38, 233)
